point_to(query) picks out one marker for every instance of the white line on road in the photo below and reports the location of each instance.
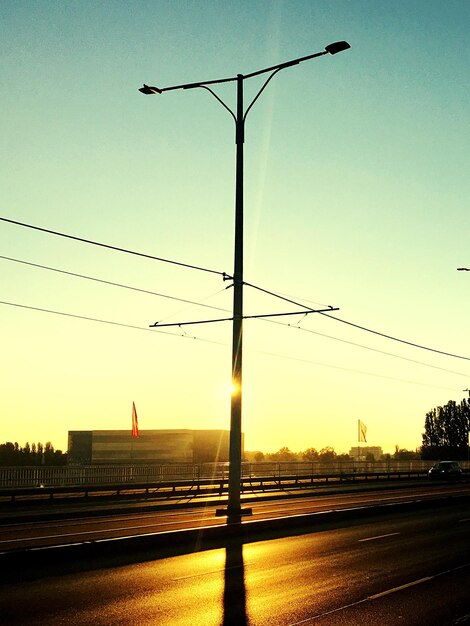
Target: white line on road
(384, 593)
(100, 531)
(389, 591)
(377, 537)
(340, 608)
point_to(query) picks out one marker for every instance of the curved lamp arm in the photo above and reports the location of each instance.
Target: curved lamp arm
(220, 100)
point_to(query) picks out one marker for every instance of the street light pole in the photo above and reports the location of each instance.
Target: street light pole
(234, 510)
(235, 449)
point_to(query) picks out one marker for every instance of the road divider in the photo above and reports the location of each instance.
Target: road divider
(148, 546)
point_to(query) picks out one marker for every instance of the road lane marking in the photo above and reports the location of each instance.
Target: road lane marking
(394, 589)
(377, 537)
(340, 608)
(385, 593)
(101, 531)
(369, 598)
(394, 494)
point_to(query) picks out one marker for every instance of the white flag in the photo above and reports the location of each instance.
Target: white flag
(361, 431)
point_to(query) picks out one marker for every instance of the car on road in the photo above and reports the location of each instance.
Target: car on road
(448, 470)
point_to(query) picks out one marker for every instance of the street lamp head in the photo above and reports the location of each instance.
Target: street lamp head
(463, 269)
(338, 46)
(149, 90)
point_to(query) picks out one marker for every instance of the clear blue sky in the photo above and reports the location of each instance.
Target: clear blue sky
(356, 196)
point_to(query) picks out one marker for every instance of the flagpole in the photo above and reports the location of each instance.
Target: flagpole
(358, 438)
(135, 430)
(361, 435)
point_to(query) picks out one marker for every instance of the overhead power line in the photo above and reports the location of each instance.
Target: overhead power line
(354, 371)
(185, 336)
(409, 343)
(359, 345)
(183, 300)
(280, 297)
(100, 321)
(113, 284)
(369, 330)
(191, 302)
(224, 275)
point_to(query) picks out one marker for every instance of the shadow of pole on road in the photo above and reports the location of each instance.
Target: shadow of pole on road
(234, 586)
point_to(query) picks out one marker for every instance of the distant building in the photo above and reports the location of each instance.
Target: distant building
(363, 453)
(93, 447)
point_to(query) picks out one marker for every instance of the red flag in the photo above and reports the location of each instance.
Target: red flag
(135, 422)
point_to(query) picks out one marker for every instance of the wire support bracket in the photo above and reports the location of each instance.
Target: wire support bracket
(245, 317)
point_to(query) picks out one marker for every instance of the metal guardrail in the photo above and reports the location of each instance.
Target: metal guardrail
(197, 486)
(133, 474)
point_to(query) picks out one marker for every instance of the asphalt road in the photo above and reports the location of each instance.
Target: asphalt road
(67, 529)
(411, 569)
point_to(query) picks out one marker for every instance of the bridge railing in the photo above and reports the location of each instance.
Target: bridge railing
(147, 474)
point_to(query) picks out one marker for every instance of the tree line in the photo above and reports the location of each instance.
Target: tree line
(446, 436)
(12, 454)
(326, 454)
(446, 430)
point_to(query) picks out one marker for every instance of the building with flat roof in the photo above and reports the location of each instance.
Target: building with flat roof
(363, 453)
(94, 447)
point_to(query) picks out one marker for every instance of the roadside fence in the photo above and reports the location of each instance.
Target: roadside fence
(96, 475)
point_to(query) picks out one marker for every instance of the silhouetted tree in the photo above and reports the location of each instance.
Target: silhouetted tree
(446, 431)
(283, 455)
(402, 454)
(327, 454)
(310, 454)
(8, 454)
(11, 454)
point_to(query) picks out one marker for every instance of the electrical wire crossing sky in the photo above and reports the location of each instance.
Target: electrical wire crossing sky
(117, 213)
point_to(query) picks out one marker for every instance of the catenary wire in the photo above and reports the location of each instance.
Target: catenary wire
(113, 284)
(404, 341)
(228, 277)
(369, 330)
(219, 343)
(174, 298)
(276, 295)
(224, 275)
(94, 319)
(359, 345)
(348, 369)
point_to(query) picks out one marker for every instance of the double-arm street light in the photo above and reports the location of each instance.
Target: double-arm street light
(234, 510)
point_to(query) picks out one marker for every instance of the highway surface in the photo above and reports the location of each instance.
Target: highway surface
(66, 529)
(411, 568)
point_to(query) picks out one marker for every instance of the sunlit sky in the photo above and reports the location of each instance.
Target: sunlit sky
(356, 196)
